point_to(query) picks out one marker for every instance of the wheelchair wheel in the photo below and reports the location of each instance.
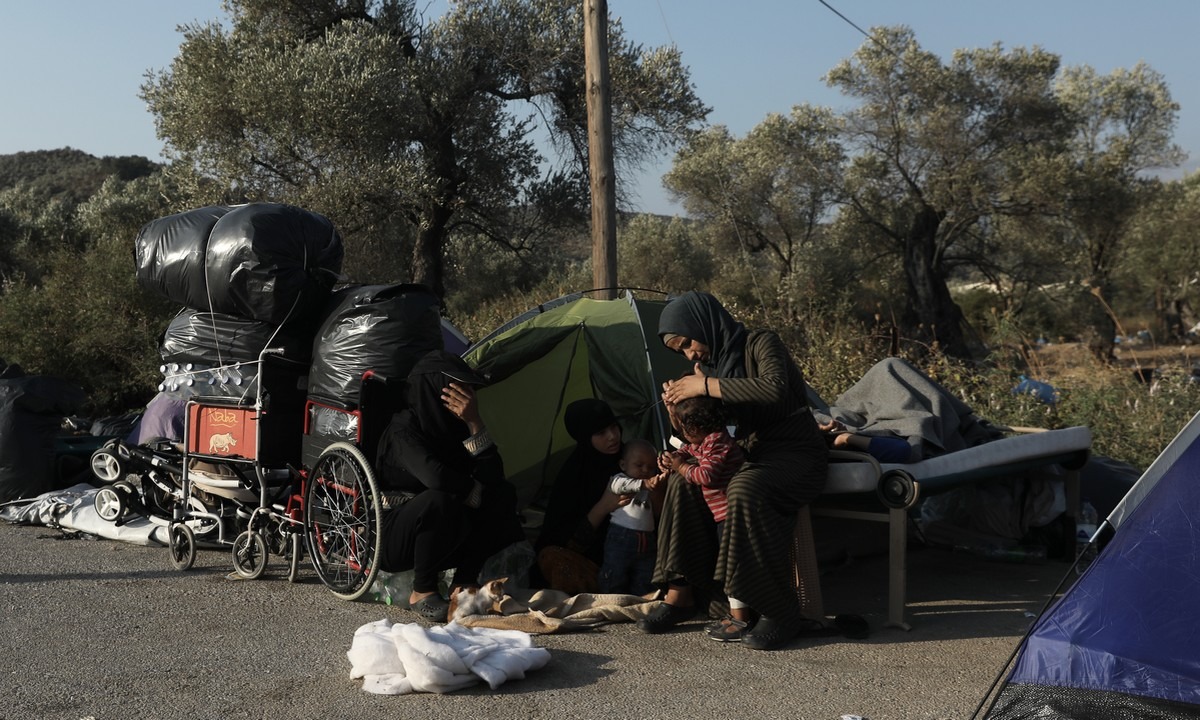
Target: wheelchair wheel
(182, 546)
(250, 555)
(109, 503)
(106, 464)
(343, 515)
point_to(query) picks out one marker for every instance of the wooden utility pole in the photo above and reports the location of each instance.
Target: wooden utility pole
(600, 152)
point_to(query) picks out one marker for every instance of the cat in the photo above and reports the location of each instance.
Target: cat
(477, 601)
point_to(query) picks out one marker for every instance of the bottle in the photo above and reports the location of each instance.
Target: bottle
(1085, 528)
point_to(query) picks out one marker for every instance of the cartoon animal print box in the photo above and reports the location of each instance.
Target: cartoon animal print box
(225, 431)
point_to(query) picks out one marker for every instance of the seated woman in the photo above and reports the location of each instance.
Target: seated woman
(785, 468)
(570, 546)
(459, 509)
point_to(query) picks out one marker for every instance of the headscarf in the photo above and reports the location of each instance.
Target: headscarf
(700, 316)
(584, 418)
(428, 377)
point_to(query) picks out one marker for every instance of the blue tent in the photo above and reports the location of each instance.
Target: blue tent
(1124, 640)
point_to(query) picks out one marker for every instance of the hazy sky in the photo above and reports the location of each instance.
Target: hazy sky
(72, 68)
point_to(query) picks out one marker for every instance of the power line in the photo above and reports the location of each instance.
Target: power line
(866, 34)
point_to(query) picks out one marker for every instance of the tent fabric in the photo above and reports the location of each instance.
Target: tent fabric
(571, 348)
(1121, 641)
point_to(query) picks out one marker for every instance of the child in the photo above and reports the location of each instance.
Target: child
(710, 458)
(629, 548)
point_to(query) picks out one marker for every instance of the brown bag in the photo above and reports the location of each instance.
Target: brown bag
(568, 571)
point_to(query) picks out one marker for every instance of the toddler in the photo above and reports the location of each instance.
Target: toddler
(629, 548)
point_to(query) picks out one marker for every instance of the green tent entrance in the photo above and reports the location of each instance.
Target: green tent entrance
(571, 348)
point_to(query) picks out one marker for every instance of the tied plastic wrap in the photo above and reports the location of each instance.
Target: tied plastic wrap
(170, 254)
(263, 261)
(213, 339)
(384, 328)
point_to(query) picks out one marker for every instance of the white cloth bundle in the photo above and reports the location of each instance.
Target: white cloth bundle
(400, 659)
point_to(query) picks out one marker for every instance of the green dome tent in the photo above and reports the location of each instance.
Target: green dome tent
(571, 348)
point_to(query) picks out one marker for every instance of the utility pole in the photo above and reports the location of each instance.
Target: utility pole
(600, 153)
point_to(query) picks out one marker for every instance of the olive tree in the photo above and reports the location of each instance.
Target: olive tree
(405, 130)
(939, 148)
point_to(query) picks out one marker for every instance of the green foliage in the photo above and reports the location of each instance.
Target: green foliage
(406, 131)
(86, 320)
(664, 254)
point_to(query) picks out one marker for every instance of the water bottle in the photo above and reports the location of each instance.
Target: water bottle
(1085, 528)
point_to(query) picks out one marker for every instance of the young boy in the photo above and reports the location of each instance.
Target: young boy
(629, 548)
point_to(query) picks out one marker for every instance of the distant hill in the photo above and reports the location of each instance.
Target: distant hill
(68, 173)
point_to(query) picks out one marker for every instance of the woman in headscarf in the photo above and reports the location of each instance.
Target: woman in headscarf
(570, 546)
(764, 392)
(458, 509)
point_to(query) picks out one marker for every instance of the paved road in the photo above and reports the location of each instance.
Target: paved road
(109, 631)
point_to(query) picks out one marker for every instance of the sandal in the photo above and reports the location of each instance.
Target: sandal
(432, 607)
(728, 630)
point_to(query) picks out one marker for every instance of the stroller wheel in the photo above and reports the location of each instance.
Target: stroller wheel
(250, 555)
(107, 465)
(183, 546)
(109, 503)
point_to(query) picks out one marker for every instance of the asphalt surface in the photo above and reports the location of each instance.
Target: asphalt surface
(104, 630)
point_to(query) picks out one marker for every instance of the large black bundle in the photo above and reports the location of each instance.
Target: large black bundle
(216, 355)
(263, 261)
(384, 328)
(170, 254)
(32, 409)
(215, 339)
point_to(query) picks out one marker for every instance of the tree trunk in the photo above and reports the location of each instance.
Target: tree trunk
(427, 253)
(931, 310)
(1099, 328)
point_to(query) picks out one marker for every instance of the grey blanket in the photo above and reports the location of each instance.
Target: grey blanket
(895, 398)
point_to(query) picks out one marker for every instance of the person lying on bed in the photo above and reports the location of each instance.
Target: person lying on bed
(884, 448)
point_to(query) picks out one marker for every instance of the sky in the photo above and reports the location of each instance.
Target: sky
(72, 68)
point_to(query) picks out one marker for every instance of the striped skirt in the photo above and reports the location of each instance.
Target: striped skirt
(753, 559)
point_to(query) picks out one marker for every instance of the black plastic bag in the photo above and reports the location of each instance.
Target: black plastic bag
(263, 261)
(384, 328)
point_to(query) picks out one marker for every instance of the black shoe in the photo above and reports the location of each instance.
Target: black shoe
(664, 617)
(432, 607)
(729, 630)
(768, 634)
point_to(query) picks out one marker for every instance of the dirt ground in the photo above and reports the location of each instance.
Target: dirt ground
(1072, 360)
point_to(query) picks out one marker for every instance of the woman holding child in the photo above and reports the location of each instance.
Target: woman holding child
(785, 469)
(570, 546)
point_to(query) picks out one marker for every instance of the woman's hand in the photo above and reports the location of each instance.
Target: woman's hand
(461, 402)
(688, 386)
(605, 505)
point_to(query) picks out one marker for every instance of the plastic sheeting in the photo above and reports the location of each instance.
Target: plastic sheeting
(263, 261)
(214, 339)
(32, 409)
(384, 328)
